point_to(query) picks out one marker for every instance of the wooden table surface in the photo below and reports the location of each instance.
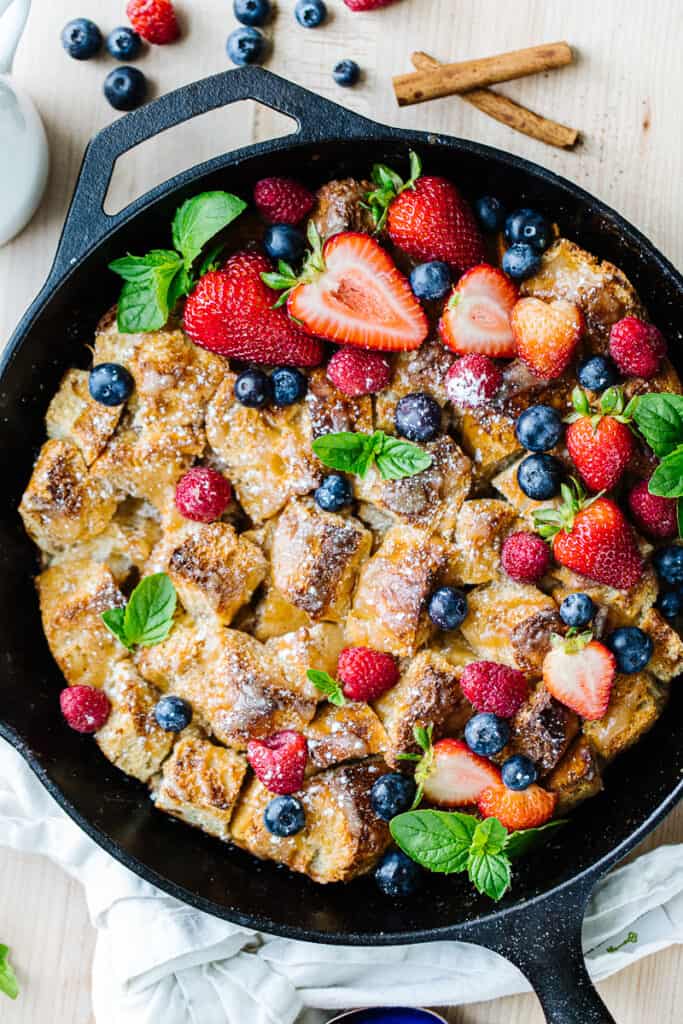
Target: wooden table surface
(623, 93)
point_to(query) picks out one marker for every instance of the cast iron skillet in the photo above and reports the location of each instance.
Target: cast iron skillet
(538, 924)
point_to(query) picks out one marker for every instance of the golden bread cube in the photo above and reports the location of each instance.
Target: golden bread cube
(636, 702)
(481, 527)
(341, 734)
(423, 369)
(542, 730)
(341, 206)
(131, 738)
(667, 659)
(531, 640)
(330, 411)
(275, 615)
(75, 417)
(494, 612)
(317, 646)
(576, 777)
(666, 380)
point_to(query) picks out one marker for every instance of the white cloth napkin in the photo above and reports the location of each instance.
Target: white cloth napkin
(157, 959)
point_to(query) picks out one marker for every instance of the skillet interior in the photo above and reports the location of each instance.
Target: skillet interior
(115, 809)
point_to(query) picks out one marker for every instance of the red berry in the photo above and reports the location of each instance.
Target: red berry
(279, 761)
(282, 200)
(653, 515)
(601, 452)
(580, 675)
(154, 20)
(477, 316)
(357, 372)
(525, 557)
(546, 334)
(595, 540)
(366, 674)
(432, 221)
(518, 809)
(367, 5)
(85, 708)
(203, 494)
(473, 380)
(637, 347)
(489, 686)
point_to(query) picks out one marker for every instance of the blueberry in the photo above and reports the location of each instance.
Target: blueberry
(577, 610)
(284, 816)
(173, 713)
(486, 734)
(123, 43)
(518, 772)
(418, 417)
(252, 12)
(539, 428)
(252, 388)
(529, 226)
(391, 795)
(490, 213)
(631, 647)
(670, 604)
(397, 875)
(539, 476)
(125, 88)
(597, 373)
(310, 13)
(110, 384)
(346, 73)
(289, 385)
(333, 494)
(245, 45)
(81, 38)
(669, 564)
(283, 242)
(447, 607)
(520, 261)
(430, 280)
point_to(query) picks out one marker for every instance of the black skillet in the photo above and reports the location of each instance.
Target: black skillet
(538, 924)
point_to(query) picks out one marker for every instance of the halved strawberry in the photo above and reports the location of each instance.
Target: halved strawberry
(458, 777)
(518, 809)
(477, 317)
(579, 672)
(546, 334)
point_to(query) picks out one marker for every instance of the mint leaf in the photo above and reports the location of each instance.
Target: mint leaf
(397, 459)
(631, 937)
(327, 685)
(181, 284)
(199, 219)
(144, 300)
(667, 479)
(489, 873)
(489, 837)
(346, 451)
(438, 840)
(211, 260)
(8, 979)
(659, 418)
(519, 843)
(150, 610)
(113, 620)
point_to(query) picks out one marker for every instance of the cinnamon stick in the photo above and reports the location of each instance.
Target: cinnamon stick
(505, 110)
(418, 86)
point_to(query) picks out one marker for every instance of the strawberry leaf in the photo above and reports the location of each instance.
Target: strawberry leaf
(327, 685)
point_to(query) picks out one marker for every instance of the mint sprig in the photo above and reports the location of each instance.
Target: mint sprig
(327, 685)
(147, 618)
(355, 452)
(8, 979)
(659, 418)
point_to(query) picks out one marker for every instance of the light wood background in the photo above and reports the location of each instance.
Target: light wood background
(624, 93)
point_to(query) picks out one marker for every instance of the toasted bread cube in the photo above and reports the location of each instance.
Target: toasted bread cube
(341, 206)
(72, 599)
(624, 607)
(576, 777)
(430, 499)
(388, 607)
(275, 615)
(636, 702)
(506, 484)
(131, 738)
(315, 558)
(542, 729)
(330, 411)
(63, 503)
(667, 659)
(317, 647)
(341, 734)
(428, 693)
(451, 645)
(665, 380)
(423, 369)
(531, 640)
(482, 526)
(343, 838)
(75, 417)
(200, 784)
(494, 612)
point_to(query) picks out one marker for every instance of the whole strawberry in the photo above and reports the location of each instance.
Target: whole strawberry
(154, 20)
(231, 312)
(282, 200)
(366, 674)
(279, 761)
(600, 444)
(653, 515)
(637, 347)
(356, 372)
(593, 538)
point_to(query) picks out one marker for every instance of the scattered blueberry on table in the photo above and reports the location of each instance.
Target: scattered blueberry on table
(486, 734)
(418, 417)
(447, 607)
(528, 226)
(397, 875)
(173, 714)
(123, 43)
(333, 494)
(631, 647)
(577, 610)
(490, 213)
(346, 73)
(245, 45)
(310, 13)
(392, 794)
(125, 88)
(284, 242)
(518, 772)
(539, 428)
(289, 385)
(539, 476)
(284, 816)
(430, 280)
(110, 384)
(253, 389)
(520, 261)
(252, 12)
(81, 38)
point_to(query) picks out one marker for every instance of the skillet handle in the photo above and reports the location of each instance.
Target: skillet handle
(87, 223)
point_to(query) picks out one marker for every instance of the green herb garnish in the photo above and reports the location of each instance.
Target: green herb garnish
(355, 452)
(327, 685)
(659, 418)
(631, 937)
(147, 618)
(424, 762)
(8, 979)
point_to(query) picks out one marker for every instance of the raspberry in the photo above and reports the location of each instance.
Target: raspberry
(203, 494)
(653, 515)
(473, 380)
(637, 347)
(279, 761)
(489, 686)
(525, 557)
(84, 708)
(282, 200)
(154, 20)
(356, 371)
(366, 674)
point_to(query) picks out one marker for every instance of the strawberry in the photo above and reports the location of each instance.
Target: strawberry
(154, 20)
(593, 538)
(600, 445)
(518, 809)
(356, 372)
(546, 334)
(231, 312)
(85, 708)
(279, 761)
(653, 515)
(282, 200)
(525, 557)
(472, 381)
(637, 347)
(366, 674)
(579, 672)
(489, 686)
(457, 777)
(367, 5)
(477, 317)
(351, 291)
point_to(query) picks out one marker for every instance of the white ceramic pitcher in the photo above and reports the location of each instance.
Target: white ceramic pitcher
(23, 145)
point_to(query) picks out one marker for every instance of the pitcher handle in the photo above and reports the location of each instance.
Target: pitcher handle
(13, 16)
